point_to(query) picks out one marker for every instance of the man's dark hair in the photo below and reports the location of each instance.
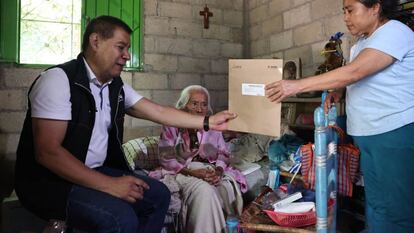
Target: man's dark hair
(388, 7)
(104, 26)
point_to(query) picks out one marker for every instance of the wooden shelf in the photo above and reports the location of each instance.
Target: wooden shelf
(302, 100)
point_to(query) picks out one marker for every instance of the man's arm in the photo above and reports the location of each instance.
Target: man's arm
(149, 110)
(48, 137)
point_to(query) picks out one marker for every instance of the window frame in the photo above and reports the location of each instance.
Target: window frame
(9, 31)
(10, 28)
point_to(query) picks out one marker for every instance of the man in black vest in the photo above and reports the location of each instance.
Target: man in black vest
(70, 164)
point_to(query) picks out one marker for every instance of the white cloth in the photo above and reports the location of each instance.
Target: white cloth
(296, 207)
(231, 195)
(172, 185)
(203, 204)
(50, 99)
(383, 101)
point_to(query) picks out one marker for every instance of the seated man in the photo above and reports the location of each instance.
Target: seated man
(70, 164)
(199, 160)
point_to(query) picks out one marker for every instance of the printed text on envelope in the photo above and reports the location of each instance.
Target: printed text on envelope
(253, 89)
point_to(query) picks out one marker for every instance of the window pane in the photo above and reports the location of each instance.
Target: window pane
(45, 43)
(49, 31)
(76, 40)
(77, 10)
(47, 10)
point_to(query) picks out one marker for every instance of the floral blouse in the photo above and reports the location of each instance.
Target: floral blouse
(175, 152)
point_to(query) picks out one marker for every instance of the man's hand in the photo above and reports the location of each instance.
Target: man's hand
(219, 120)
(128, 188)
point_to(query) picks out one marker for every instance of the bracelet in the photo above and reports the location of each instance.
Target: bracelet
(206, 126)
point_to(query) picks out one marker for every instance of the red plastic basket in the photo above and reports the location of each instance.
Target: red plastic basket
(292, 220)
(295, 220)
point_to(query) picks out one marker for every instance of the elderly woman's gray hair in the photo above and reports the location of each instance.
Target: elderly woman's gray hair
(186, 94)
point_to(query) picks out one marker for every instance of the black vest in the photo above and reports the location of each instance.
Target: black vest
(40, 190)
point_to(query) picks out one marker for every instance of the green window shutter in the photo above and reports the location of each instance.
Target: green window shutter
(127, 10)
(9, 30)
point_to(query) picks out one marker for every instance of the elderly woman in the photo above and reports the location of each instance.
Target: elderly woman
(379, 83)
(199, 160)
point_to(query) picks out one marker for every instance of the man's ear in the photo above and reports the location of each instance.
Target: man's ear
(93, 40)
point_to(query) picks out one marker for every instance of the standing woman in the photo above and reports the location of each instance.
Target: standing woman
(379, 83)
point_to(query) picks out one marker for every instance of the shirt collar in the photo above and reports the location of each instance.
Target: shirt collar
(92, 77)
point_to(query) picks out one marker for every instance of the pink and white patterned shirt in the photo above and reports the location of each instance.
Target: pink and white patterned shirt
(175, 153)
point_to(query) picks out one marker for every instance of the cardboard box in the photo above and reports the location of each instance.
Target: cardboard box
(247, 79)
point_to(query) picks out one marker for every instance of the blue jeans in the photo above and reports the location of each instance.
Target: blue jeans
(94, 211)
(387, 163)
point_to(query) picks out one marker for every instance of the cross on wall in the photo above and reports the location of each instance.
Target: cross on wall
(206, 15)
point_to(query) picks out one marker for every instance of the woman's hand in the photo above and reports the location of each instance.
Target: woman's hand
(216, 178)
(210, 176)
(199, 173)
(280, 90)
(332, 97)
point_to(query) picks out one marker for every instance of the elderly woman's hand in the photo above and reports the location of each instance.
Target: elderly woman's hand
(198, 173)
(209, 175)
(214, 176)
(279, 90)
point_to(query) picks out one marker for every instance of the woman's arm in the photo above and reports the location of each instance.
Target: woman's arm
(223, 157)
(167, 150)
(368, 62)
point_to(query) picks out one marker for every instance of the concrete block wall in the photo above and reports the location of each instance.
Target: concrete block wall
(178, 52)
(13, 88)
(294, 29)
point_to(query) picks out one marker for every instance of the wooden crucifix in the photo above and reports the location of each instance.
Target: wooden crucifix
(206, 14)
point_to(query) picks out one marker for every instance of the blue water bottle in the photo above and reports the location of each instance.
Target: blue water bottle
(232, 223)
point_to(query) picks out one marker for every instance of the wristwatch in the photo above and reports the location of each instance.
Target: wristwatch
(206, 125)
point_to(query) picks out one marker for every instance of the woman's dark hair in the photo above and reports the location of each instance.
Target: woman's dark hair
(104, 26)
(389, 8)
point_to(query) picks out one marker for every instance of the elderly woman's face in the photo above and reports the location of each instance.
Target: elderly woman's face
(359, 19)
(197, 104)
